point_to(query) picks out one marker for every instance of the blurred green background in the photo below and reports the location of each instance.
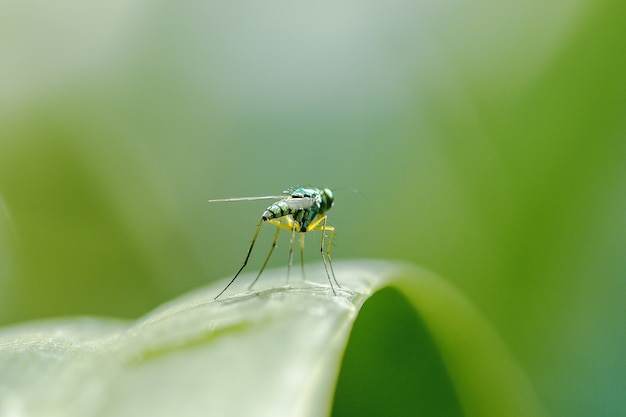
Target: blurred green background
(487, 141)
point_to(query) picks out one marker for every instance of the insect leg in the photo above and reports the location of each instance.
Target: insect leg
(324, 227)
(245, 262)
(266, 259)
(302, 254)
(330, 244)
(292, 226)
(293, 236)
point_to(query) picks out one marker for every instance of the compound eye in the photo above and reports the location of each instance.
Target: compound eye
(329, 195)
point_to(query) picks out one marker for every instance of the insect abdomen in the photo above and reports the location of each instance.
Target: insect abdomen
(277, 210)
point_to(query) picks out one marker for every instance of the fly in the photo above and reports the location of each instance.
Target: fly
(299, 210)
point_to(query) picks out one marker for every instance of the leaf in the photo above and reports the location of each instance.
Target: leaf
(273, 351)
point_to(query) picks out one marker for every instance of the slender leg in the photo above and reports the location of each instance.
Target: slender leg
(324, 259)
(330, 244)
(293, 236)
(326, 255)
(266, 259)
(302, 254)
(288, 223)
(245, 262)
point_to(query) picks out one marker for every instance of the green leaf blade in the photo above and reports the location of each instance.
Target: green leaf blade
(276, 350)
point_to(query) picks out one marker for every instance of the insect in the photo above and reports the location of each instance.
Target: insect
(299, 209)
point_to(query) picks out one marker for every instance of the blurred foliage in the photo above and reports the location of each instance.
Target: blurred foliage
(487, 142)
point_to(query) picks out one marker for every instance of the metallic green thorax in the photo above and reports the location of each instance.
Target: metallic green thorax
(303, 204)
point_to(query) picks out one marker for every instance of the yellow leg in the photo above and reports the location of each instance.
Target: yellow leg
(290, 223)
(293, 228)
(293, 236)
(320, 224)
(245, 262)
(302, 254)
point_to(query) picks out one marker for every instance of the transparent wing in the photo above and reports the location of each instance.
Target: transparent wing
(267, 197)
(303, 203)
